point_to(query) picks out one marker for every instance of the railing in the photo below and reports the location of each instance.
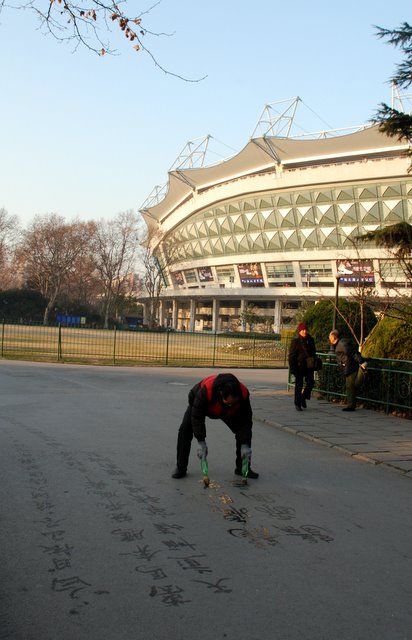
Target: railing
(123, 347)
(387, 384)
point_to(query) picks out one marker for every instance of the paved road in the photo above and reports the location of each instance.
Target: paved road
(97, 542)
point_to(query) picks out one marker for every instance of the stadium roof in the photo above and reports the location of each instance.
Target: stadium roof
(264, 154)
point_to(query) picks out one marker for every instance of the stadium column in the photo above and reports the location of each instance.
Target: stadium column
(215, 315)
(243, 308)
(174, 314)
(277, 316)
(161, 312)
(192, 314)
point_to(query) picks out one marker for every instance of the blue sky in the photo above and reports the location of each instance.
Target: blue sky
(88, 137)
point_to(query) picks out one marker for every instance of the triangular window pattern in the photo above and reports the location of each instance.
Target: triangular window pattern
(274, 241)
(368, 194)
(283, 201)
(270, 220)
(238, 224)
(392, 210)
(218, 247)
(369, 211)
(213, 227)
(234, 208)
(192, 231)
(230, 245)
(258, 241)
(325, 213)
(197, 249)
(345, 194)
(255, 221)
(202, 230)
(207, 247)
(264, 204)
(347, 212)
(288, 219)
(394, 191)
(303, 198)
(310, 238)
(243, 244)
(323, 196)
(225, 225)
(329, 237)
(291, 239)
(305, 215)
(249, 205)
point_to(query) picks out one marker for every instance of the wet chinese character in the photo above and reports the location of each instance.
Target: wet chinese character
(156, 572)
(170, 595)
(177, 544)
(191, 563)
(217, 587)
(168, 528)
(58, 550)
(73, 585)
(141, 553)
(128, 535)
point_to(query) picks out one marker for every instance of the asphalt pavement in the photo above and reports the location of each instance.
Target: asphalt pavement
(365, 435)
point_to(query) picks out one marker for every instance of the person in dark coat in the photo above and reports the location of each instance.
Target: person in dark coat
(349, 361)
(221, 397)
(302, 353)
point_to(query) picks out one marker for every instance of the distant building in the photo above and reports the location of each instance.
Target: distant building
(274, 225)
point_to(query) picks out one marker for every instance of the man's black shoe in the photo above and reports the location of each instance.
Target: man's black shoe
(303, 403)
(251, 474)
(348, 409)
(298, 407)
(178, 473)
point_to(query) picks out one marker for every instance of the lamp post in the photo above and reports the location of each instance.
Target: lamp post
(336, 301)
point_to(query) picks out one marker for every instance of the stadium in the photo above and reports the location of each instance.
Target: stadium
(276, 225)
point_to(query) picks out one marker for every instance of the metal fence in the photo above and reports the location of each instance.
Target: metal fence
(123, 347)
(386, 386)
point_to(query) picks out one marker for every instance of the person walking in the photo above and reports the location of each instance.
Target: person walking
(351, 363)
(302, 352)
(221, 397)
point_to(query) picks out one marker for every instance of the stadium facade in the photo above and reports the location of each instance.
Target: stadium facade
(276, 225)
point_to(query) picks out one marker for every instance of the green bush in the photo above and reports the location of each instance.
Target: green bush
(319, 318)
(391, 338)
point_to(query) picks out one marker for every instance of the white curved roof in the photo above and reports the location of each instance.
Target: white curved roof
(265, 153)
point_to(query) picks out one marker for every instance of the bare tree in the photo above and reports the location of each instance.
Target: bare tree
(50, 250)
(87, 24)
(9, 235)
(157, 256)
(115, 247)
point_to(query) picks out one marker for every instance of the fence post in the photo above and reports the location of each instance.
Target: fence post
(2, 339)
(59, 343)
(114, 344)
(167, 347)
(253, 350)
(214, 349)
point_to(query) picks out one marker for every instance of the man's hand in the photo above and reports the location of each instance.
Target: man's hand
(364, 366)
(202, 450)
(245, 451)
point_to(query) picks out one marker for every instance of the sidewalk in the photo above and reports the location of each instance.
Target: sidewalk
(364, 435)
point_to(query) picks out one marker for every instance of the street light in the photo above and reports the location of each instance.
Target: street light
(336, 301)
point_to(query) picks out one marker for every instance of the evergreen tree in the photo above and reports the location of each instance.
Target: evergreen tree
(392, 122)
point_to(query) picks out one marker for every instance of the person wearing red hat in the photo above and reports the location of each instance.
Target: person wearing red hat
(302, 353)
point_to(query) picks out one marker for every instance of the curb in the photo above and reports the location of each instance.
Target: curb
(361, 457)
